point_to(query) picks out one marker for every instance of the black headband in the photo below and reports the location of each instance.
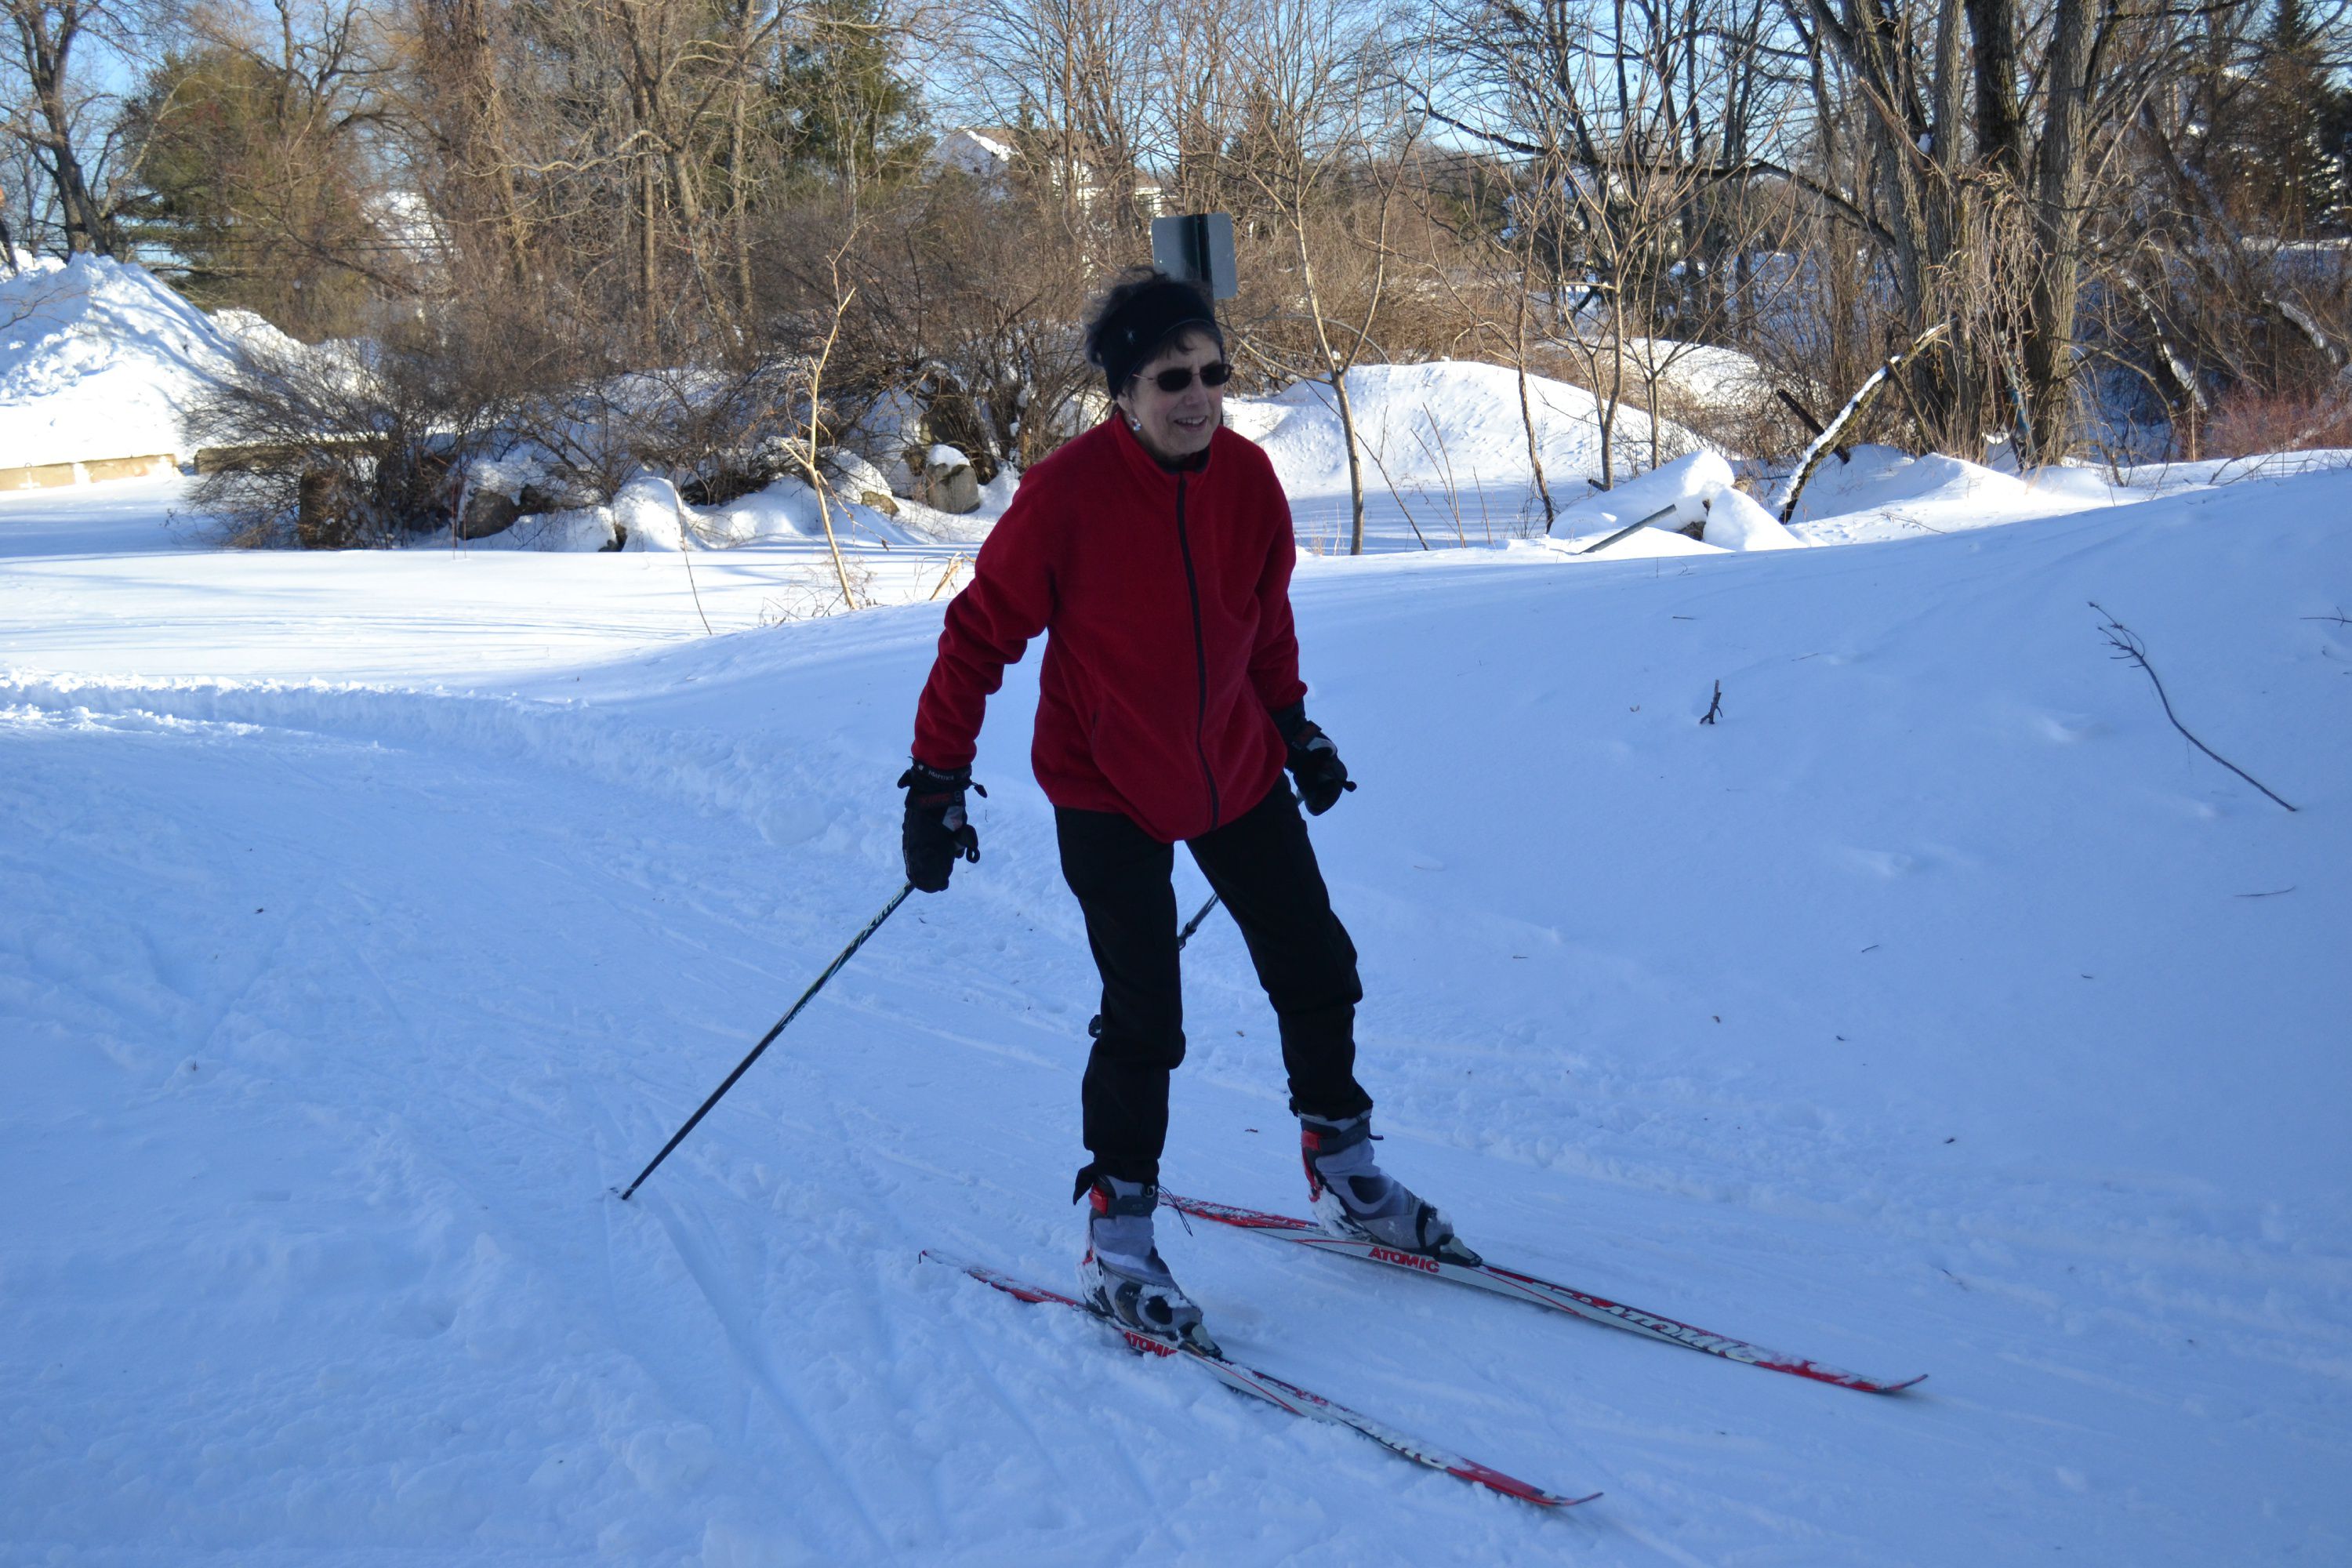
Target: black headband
(1148, 319)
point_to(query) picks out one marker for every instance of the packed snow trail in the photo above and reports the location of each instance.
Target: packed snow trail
(1938, 1008)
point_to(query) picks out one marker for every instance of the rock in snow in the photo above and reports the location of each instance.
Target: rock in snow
(946, 482)
(857, 480)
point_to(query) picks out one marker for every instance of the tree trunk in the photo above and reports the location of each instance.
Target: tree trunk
(2057, 229)
(46, 57)
(483, 150)
(649, 252)
(2000, 123)
(738, 193)
(1355, 463)
(1335, 372)
(1527, 413)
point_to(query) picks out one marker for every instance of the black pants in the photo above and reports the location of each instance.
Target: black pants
(1262, 867)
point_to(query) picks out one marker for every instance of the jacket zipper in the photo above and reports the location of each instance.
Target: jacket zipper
(1200, 653)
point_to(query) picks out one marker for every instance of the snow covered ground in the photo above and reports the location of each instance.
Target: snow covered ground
(363, 918)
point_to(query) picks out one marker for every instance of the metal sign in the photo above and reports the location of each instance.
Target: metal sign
(1197, 247)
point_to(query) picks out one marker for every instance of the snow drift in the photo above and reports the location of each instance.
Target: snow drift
(98, 359)
(1426, 429)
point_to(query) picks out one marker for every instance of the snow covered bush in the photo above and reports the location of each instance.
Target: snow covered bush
(354, 444)
(475, 415)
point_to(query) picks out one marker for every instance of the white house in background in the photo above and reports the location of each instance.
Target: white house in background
(983, 153)
(406, 226)
(990, 155)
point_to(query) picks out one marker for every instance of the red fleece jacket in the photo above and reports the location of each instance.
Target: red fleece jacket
(1167, 598)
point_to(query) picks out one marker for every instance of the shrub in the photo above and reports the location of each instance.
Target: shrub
(346, 444)
(2247, 421)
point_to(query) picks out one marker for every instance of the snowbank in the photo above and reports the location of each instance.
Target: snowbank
(649, 514)
(1717, 379)
(98, 359)
(1450, 426)
(1681, 489)
(255, 334)
(2163, 478)
(1883, 492)
(1641, 544)
(1736, 521)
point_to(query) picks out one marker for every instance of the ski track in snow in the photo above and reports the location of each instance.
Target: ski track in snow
(1937, 1010)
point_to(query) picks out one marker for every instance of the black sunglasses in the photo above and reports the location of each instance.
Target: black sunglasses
(1216, 372)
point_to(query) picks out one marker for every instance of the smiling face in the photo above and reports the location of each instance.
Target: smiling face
(1175, 427)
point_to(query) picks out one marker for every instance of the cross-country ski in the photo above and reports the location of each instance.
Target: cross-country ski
(1501, 1282)
(1275, 1391)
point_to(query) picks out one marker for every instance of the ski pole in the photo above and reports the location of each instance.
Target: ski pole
(1194, 923)
(744, 1066)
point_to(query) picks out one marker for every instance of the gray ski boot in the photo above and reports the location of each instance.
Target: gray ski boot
(1122, 1272)
(1356, 1199)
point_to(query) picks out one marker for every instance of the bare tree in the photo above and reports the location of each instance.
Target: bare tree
(1636, 130)
(63, 122)
(254, 167)
(628, 149)
(812, 374)
(1077, 79)
(1321, 152)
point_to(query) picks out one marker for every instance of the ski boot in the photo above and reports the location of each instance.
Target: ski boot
(1354, 1198)
(1122, 1273)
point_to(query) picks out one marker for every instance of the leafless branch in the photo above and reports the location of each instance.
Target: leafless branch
(2129, 648)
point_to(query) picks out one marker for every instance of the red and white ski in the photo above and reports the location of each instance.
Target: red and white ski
(1275, 1391)
(1527, 1287)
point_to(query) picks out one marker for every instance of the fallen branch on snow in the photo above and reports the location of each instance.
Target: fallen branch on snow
(2129, 647)
(1828, 439)
(1630, 530)
(1806, 415)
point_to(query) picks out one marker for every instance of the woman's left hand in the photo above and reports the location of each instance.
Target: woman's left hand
(1314, 761)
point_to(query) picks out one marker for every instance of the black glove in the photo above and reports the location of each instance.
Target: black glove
(1314, 761)
(936, 835)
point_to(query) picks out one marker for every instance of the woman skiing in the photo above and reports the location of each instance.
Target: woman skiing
(1156, 550)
